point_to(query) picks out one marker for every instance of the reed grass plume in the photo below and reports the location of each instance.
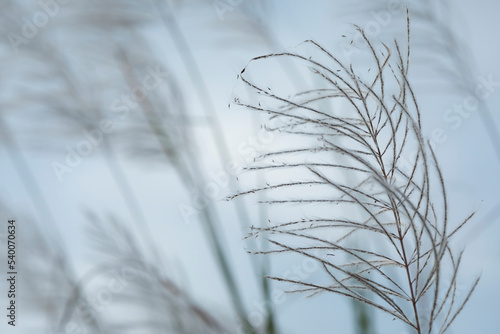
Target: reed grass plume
(392, 178)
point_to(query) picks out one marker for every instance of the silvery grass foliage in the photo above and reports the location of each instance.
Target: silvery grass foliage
(405, 260)
(148, 292)
(446, 53)
(158, 117)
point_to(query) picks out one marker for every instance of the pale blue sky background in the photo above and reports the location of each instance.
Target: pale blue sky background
(467, 157)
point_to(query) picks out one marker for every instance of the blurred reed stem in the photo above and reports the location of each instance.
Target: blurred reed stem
(215, 127)
(129, 197)
(37, 198)
(189, 173)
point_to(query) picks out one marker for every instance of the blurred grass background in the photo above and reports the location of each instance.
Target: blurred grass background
(146, 199)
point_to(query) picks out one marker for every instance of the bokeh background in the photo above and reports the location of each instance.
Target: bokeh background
(118, 146)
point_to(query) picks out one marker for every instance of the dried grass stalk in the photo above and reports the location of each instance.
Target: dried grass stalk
(405, 260)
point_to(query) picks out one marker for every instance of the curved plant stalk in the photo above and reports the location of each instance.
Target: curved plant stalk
(203, 94)
(54, 243)
(186, 166)
(129, 196)
(405, 215)
(46, 267)
(167, 307)
(445, 51)
(363, 316)
(181, 166)
(450, 55)
(166, 14)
